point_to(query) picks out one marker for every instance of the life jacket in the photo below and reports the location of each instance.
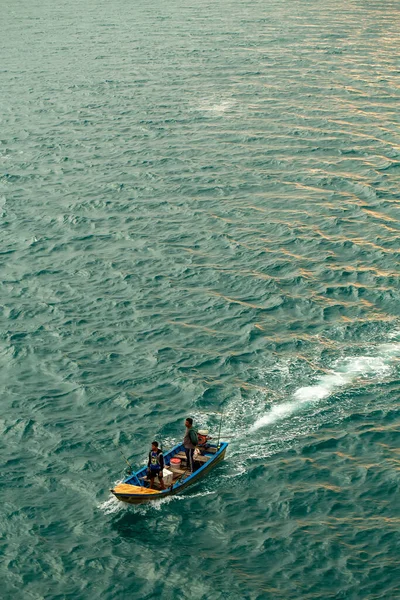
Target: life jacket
(154, 458)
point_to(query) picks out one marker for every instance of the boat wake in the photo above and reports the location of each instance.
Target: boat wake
(238, 416)
(160, 504)
(344, 373)
(112, 506)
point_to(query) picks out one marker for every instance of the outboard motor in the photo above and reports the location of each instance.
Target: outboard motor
(203, 437)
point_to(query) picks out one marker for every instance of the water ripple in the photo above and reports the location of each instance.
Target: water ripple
(200, 214)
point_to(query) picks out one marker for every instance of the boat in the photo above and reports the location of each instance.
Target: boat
(135, 488)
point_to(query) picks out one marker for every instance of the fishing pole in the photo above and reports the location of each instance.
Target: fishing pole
(127, 462)
(220, 425)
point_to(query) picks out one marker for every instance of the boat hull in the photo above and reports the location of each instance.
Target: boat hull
(145, 496)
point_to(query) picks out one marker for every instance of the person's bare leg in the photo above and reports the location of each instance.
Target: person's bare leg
(161, 480)
(151, 483)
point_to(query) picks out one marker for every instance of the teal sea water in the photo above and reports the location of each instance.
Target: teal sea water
(200, 212)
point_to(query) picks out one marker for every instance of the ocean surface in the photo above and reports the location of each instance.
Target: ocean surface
(200, 215)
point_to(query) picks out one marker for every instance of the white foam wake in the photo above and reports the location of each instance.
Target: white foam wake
(112, 505)
(344, 373)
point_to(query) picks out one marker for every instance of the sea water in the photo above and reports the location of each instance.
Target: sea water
(200, 217)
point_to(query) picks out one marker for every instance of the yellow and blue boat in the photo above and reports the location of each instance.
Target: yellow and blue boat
(135, 488)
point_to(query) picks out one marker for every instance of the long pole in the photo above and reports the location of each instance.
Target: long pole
(220, 425)
(126, 460)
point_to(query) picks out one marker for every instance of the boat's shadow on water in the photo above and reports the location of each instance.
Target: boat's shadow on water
(149, 520)
(132, 525)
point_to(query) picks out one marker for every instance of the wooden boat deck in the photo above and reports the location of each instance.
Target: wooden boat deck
(177, 473)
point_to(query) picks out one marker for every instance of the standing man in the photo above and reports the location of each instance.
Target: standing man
(155, 465)
(190, 442)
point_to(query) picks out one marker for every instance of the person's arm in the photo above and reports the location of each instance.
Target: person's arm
(161, 460)
(149, 461)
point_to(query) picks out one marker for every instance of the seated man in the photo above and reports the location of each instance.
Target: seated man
(155, 465)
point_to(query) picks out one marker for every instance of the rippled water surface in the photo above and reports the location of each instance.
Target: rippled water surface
(200, 212)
